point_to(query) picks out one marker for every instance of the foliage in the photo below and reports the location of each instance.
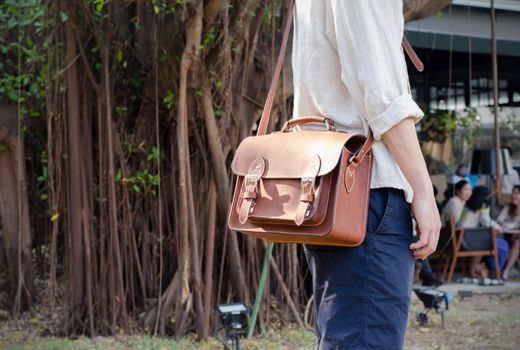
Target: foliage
(440, 123)
(512, 122)
(24, 49)
(110, 75)
(127, 191)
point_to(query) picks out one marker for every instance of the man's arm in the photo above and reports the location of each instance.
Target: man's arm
(402, 142)
(368, 36)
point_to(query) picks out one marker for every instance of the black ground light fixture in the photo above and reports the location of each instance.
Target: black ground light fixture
(432, 299)
(234, 323)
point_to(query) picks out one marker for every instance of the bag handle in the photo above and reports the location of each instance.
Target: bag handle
(291, 123)
(266, 113)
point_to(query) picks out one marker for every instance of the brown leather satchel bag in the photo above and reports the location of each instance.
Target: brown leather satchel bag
(302, 186)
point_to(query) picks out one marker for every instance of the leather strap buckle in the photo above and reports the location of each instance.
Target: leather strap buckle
(251, 179)
(308, 179)
(250, 188)
(308, 182)
(329, 126)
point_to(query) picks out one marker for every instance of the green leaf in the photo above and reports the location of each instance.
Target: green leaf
(43, 196)
(119, 56)
(156, 9)
(121, 111)
(12, 95)
(63, 16)
(12, 22)
(119, 175)
(3, 147)
(155, 152)
(169, 98)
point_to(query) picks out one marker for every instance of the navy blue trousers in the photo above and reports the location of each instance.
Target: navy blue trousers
(362, 294)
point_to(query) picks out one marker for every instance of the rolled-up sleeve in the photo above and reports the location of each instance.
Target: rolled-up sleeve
(367, 35)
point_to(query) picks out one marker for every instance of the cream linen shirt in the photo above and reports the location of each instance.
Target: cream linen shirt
(348, 65)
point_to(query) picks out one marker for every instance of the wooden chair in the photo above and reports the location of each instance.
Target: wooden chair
(469, 242)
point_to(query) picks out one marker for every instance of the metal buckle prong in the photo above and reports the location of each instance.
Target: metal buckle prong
(351, 159)
(251, 179)
(310, 180)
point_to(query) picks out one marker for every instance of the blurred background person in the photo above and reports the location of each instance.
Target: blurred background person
(508, 221)
(455, 205)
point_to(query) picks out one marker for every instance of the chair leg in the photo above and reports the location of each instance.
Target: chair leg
(452, 268)
(464, 266)
(497, 266)
(445, 264)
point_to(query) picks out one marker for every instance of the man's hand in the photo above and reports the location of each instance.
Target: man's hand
(402, 142)
(428, 225)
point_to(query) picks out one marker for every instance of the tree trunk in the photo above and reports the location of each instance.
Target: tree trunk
(191, 51)
(75, 236)
(417, 9)
(187, 76)
(14, 212)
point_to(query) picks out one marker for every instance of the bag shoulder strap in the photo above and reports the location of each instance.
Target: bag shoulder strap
(266, 113)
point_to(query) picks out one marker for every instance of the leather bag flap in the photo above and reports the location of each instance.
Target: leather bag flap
(287, 155)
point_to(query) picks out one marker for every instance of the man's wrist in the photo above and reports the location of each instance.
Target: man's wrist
(423, 189)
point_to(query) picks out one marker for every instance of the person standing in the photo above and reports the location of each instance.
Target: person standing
(348, 65)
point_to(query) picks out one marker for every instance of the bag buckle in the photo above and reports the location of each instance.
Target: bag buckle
(330, 127)
(251, 179)
(308, 179)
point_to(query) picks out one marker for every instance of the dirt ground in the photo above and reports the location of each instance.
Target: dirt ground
(478, 322)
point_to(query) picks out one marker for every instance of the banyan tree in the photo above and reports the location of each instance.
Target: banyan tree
(118, 122)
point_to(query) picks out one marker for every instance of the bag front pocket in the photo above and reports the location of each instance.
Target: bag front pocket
(279, 199)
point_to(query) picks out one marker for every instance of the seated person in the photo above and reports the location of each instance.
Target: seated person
(476, 214)
(448, 194)
(509, 219)
(509, 181)
(455, 205)
(460, 174)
